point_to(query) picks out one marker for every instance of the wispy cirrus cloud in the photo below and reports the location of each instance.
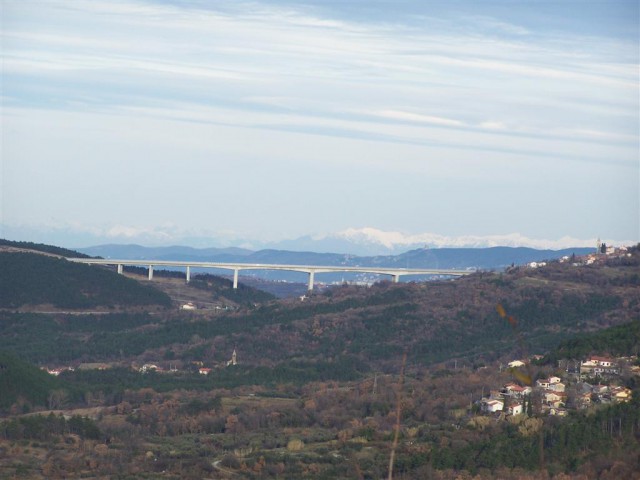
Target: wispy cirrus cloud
(479, 95)
(418, 118)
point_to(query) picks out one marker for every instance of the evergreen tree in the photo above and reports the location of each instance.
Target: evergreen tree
(529, 409)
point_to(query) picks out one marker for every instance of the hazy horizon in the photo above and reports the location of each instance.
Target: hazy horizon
(358, 241)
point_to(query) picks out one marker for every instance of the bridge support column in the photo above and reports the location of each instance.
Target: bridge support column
(311, 274)
(150, 272)
(396, 278)
(235, 278)
(188, 273)
(120, 269)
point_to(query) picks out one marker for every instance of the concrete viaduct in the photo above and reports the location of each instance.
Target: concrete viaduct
(311, 270)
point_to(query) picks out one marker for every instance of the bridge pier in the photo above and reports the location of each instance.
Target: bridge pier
(311, 270)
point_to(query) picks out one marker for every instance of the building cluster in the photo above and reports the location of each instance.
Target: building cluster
(595, 380)
(596, 366)
(57, 371)
(603, 253)
(536, 264)
(190, 306)
(195, 366)
(82, 366)
(152, 367)
(202, 370)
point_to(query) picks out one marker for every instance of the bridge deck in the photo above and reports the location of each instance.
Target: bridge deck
(236, 267)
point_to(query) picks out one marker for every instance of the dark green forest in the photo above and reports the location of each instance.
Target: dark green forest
(40, 427)
(372, 332)
(373, 324)
(20, 379)
(621, 340)
(41, 247)
(33, 279)
(567, 443)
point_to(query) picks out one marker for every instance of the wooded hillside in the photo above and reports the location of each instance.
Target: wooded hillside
(316, 389)
(434, 321)
(33, 279)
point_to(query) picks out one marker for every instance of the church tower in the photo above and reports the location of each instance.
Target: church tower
(234, 360)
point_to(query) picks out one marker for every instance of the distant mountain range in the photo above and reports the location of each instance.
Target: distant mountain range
(494, 258)
(138, 252)
(364, 241)
(372, 241)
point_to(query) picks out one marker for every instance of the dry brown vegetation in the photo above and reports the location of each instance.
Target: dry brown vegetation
(315, 394)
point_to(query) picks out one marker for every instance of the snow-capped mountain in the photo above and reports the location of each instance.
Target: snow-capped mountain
(372, 241)
(353, 241)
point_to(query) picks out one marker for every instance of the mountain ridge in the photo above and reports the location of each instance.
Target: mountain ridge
(373, 241)
(360, 240)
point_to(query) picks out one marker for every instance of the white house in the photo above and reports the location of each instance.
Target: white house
(549, 382)
(149, 367)
(620, 394)
(596, 365)
(492, 405)
(602, 361)
(516, 391)
(559, 411)
(515, 409)
(554, 399)
(542, 383)
(556, 386)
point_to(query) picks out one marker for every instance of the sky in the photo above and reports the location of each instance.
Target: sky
(161, 121)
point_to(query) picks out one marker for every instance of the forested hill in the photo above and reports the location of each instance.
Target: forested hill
(21, 380)
(368, 327)
(437, 321)
(203, 288)
(621, 340)
(34, 279)
(40, 247)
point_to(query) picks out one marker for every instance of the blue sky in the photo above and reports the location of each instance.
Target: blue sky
(157, 121)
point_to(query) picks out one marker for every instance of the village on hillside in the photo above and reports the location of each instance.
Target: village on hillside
(596, 380)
